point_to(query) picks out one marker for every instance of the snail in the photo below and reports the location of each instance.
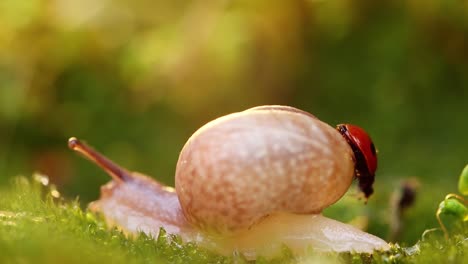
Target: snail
(250, 182)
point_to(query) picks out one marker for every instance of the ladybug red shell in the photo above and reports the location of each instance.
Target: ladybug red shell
(365, 155)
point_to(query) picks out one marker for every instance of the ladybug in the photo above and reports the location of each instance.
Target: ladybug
(365, 155)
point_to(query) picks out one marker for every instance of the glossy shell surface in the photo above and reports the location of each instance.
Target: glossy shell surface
(240, 168)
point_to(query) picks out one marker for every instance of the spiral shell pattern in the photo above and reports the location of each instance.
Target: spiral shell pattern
(240, 168)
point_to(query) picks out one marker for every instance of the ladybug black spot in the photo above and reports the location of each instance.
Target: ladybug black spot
(372, 147)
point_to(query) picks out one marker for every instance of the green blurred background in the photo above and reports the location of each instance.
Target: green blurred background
(136, 78)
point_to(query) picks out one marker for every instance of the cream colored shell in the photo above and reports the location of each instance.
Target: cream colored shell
(242, 167)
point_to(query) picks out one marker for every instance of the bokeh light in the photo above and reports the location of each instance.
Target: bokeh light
(136, 78)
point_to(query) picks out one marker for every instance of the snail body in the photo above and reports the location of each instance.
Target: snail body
(248, 182)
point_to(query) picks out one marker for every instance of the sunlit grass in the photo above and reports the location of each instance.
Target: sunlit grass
(37, 226)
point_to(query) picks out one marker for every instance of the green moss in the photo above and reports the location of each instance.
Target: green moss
(37, 226)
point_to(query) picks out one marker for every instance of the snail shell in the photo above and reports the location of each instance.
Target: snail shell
(240, 168)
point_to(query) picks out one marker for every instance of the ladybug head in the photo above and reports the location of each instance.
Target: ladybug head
(365, 155)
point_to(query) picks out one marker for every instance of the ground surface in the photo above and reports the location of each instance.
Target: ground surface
(38, 226)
